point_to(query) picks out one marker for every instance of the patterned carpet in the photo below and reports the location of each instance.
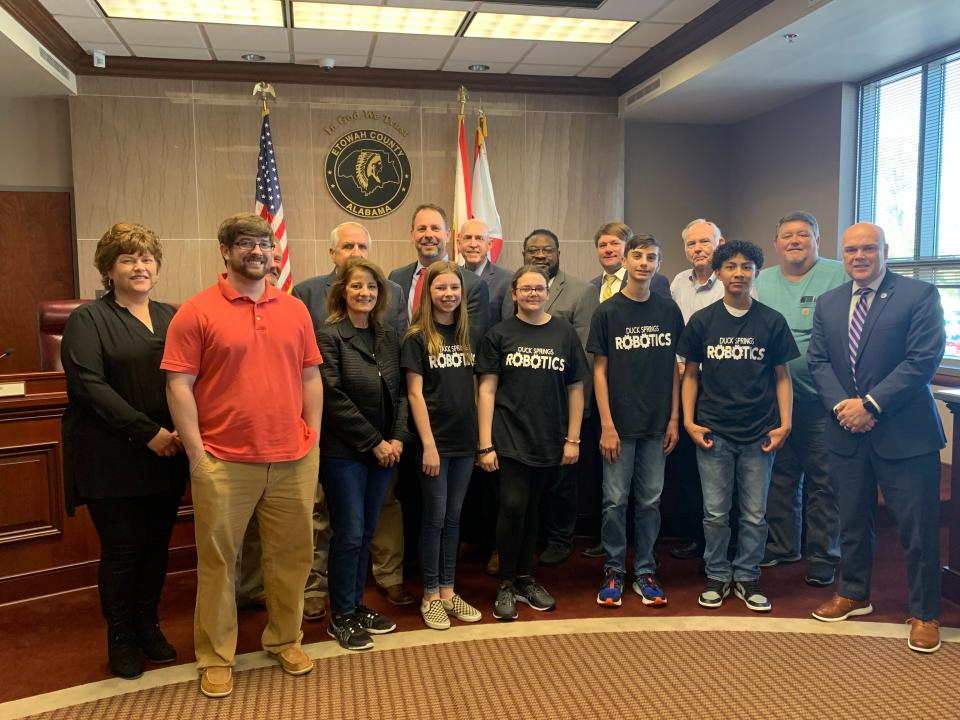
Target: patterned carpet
(675, 674)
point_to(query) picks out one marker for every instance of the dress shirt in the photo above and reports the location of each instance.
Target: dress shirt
(615, 288)
(691, 295)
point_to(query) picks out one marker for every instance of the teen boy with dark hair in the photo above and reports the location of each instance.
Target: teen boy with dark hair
(633, 338)
(737, 404)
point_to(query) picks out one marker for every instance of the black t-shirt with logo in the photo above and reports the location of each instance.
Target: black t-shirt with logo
(447, 390)
(737, 356)
(639, 340)
(535, 363)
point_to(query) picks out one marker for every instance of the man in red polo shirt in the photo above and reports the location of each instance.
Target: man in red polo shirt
(246, 398)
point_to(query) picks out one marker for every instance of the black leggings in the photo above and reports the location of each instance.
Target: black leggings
(134, 538)
(520, 489)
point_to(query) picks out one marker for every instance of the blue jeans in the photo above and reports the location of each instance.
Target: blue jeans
(355, 490)
(440, 521)
(726, 468)
(640, 468)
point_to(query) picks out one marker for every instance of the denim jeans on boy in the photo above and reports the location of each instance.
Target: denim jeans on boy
(728, 469)
(355, 490)
(440, 521)
(640, 468)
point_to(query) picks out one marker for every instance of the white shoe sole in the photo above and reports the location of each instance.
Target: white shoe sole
(853, 613)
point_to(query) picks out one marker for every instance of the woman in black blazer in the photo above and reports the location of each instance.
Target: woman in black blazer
(364, 428)
(122, 457)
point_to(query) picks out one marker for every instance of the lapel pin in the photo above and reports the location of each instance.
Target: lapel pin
(883, 296)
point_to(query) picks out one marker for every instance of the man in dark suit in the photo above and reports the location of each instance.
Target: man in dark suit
(574, 301)
(351, 239)
(474, 247)
(610, 241)
(430, 233)
(876, 344)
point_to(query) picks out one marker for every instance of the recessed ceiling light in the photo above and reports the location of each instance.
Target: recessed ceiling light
(369, 18)
(230, 12)
(551, 29)
(252, 57)
(478, 67)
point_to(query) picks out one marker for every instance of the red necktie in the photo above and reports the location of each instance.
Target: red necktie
(417, 291)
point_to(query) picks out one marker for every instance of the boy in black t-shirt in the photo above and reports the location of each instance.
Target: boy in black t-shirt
(737, 404)
(633, 337)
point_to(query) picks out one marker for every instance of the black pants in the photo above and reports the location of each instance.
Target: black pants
(520, 489)
(134, 538)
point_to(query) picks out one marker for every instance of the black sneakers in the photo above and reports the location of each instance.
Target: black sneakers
(529, 591)
(505, 606)
(153, 643)
(714, 593)
(346, 629)
(125, 658)
(373, 622)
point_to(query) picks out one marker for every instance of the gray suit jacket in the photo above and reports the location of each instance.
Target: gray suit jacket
(498, 281)
(659, 284)
(313, 293)
(478, 299)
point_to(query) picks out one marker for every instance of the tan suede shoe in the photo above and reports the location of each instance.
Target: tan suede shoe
(216, 682)
(294, 661)
(840, 608)
(924, 635)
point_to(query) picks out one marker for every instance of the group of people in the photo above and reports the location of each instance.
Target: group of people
(781, 398)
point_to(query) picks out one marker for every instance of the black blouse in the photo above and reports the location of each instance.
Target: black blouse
(117, 403)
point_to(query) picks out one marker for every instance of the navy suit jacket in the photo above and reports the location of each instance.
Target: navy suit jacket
(498, 282)
(313, 292)
(658, 284)
(900, 350)
(478, 299)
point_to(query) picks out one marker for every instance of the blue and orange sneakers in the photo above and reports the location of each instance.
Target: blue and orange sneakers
(612, 591)
(649, 590)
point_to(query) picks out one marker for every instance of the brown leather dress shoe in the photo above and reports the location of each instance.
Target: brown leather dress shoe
(840, 608)
(924, 635)
(294, 661)
(399, 595)
(216, 681)
(493, 564)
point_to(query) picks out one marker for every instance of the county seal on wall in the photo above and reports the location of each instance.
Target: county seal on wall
(368, 173)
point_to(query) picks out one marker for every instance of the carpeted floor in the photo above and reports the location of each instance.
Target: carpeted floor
(674, 674)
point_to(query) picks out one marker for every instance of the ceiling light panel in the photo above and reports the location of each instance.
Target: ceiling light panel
(541, 27)
(267, 13)
(367, 18)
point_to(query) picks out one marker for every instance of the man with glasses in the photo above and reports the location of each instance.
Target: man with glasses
(246, 398)
(574, 301)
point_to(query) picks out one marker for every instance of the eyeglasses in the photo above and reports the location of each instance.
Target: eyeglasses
(250, 244)
(532, 290)
(545, 251)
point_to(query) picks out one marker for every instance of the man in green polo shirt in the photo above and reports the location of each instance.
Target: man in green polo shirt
(800, 468)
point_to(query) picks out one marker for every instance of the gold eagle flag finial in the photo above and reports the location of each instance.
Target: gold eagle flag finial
(462, 96)
(263, 89)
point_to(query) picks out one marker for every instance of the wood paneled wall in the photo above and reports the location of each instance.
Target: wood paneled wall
(179, 156)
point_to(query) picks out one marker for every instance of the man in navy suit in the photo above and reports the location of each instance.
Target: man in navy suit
(876, 344)
(611, 241)
(430, 233)
(474, 246)
(351, 239)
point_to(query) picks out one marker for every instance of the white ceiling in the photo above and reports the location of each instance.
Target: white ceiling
(657, 19)
(751, 68)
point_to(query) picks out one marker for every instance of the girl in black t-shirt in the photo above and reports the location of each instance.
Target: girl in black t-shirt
(438, 360)
(530, 405)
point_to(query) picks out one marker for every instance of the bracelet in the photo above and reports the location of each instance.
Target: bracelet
(485, 451)
(572, 442)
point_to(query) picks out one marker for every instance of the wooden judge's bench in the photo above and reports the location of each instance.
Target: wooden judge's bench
(42, 550)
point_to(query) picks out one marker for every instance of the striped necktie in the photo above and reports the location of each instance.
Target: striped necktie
(607, 292)
(856, 329)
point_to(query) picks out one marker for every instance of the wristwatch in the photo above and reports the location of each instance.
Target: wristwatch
(871, 407)
(485, 451)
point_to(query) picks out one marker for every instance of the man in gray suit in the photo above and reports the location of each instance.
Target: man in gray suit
(351, 239)
(474, 247)
(574, 301)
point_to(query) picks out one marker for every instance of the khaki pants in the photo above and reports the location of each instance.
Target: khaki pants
(225, 496)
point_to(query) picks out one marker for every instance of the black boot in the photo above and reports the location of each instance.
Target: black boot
(125, 658)
(151, 641)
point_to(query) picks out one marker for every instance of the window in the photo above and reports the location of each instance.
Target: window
(909, 176)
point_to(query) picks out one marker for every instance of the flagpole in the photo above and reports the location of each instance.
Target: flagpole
(461, 183)
(269, 206)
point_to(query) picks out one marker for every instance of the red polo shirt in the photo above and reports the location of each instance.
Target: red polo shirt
(248, 358)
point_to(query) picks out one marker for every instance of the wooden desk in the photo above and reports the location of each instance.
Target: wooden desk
(951, 571)
(42, 550)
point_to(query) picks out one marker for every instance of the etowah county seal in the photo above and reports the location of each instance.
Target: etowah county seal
(368, 173)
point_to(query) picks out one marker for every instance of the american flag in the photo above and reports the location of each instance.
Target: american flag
(269, 204)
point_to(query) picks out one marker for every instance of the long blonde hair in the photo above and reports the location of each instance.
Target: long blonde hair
(423, 322)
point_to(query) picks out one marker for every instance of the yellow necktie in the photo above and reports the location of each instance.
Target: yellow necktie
(607, 291)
